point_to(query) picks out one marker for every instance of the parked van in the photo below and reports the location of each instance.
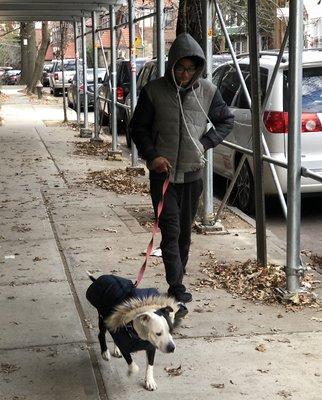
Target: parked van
(275, 123)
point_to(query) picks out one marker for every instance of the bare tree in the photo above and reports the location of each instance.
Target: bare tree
(28, 51)
(190, 13)
(189, 19)
(10, 54)
(39, 65)
(62, 35)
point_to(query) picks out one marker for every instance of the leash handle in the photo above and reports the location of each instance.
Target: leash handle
(154, 231)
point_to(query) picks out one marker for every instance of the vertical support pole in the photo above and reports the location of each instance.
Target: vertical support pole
(242, 80)
(85, 132)
(160, 38)
(77, 71)
(95, 76)
(208, 196)
(113, 123)
(256, 134)
(294, 146)
(133, 74)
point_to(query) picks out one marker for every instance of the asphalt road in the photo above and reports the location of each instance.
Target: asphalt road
(311, 222)
(311, 218)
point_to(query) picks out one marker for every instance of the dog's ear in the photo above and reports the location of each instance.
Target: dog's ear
(166, 310)
(144, 318)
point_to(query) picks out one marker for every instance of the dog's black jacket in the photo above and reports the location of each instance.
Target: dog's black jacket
(108, 291)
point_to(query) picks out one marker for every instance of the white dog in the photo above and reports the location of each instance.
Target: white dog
(144, 321)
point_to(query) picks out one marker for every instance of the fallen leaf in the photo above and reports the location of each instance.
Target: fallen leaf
(173, 371)
(261, 348)
(218, 385)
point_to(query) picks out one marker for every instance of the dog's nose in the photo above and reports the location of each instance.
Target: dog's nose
(170, 347)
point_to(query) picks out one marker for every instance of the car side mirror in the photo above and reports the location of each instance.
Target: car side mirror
(70, 80)
(100, 80)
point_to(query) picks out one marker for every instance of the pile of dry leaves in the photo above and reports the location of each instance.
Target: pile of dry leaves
(120, 181)
(251, 281)
(3, 97)
(46, 99)
(315, 261)
(91, 149)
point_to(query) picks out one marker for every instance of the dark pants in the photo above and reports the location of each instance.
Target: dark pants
(179, 210)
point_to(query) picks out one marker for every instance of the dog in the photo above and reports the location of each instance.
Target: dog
(137, 319)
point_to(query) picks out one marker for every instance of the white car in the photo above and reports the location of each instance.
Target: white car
(56, 75)
(275, 123)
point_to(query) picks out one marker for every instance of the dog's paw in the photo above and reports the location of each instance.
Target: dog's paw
(106, 355)
(150, 384)
(116, 352)
(133, 369)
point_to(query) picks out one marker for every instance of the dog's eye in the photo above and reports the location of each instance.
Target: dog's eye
(159, 333)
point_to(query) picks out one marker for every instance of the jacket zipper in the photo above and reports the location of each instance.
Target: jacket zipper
(180, 138)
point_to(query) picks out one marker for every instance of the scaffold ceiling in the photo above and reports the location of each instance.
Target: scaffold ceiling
(49, 10)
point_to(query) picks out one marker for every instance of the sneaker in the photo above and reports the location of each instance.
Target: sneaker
(181, 313)
(181, 296)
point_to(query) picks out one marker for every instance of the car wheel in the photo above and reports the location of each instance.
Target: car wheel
(55, 92)
(103, 119)
(244, 192)
(127, 134)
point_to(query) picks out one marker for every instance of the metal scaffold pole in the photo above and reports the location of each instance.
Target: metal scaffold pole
(114, 152)
(208, 196)
(160, 38)
(77, 71)
(294, 147)
(256, 134)
(85, 131)
(96, 137)
(133, 73)
(113, 121)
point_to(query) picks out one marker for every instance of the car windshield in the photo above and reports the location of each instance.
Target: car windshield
(67, 66)
(311, 90)
(90, 75)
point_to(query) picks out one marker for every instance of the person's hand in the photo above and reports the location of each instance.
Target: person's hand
(161, 164)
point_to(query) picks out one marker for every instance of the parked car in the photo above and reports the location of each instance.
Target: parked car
(45, 75)
(56, 78)
(72, 90)
(11, 77)
(123, 81)
(3, 70)
(275, 123)
(218, 59)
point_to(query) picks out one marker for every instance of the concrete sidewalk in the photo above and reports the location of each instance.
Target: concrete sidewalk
(53, 228)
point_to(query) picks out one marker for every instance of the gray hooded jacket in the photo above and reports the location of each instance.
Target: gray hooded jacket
(170, 121)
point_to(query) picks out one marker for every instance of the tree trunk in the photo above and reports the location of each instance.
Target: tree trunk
(190, 18)
(63, 34)
(39, 65)
(28, 51)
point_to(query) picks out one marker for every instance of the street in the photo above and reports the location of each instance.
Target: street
(311, 222)
(311, 218)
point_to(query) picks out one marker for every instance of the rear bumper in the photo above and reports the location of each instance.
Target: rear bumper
(59, 86)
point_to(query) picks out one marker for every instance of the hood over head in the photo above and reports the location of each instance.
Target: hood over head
(185, 46)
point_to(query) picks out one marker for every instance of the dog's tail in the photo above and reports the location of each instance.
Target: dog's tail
(91, 277)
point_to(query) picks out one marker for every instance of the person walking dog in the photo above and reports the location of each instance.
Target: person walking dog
(169, 128)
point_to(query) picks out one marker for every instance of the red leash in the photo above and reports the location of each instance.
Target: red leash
(154, 231)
